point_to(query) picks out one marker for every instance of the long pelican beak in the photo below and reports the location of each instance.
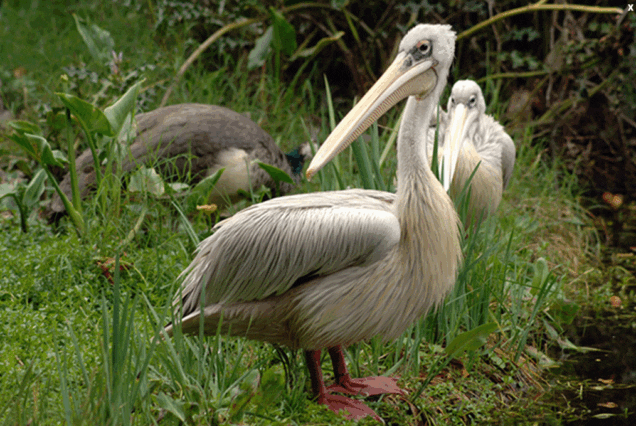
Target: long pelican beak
(400, 80)
(455, 135)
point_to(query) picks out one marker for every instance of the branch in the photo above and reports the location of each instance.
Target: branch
(536, 7)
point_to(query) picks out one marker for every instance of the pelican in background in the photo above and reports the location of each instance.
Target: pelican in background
(486, 146)
(329, 269)
(191, 141)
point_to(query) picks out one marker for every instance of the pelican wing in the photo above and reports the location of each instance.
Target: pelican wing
(496, 147)
(268, 248)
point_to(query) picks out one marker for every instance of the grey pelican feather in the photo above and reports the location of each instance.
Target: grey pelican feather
(486, 147)
(191, 141)
(325, 270)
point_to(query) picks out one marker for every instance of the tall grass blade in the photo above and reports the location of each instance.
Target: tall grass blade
(190, 232)
(62, 369)
(336, 183)
(375, 158)
(364, 164)
(391, 141)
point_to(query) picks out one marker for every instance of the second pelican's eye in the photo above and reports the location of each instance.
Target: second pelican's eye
(472, 101)
(424, 47)
(453, 101)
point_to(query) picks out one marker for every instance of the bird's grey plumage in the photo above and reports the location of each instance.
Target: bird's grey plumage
(487, 145)
(188, 142)
(332, 268)
(291, 241)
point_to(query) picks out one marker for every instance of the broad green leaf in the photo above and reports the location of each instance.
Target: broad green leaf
(604, 416)
(146, 180)
(60, 157)
(25, 127)
(128, 131)
(22, 165)
(90, 117)
(201, 192)
(7, 190)
(117, 112)
(543, 360)
(275, 173)
(172, 406)
(175, 187)
(24, 143)
(98, 41)
(248, 387)
(470, 340)
(44, 149)
(284, 39)
(37, 147)
(564, 342)
(314, 50)
(258, 54)
(34, 189)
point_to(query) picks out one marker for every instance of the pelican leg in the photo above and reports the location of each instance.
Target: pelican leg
(367, 386)
(355, 409)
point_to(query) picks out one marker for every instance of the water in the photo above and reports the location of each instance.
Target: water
(602, 385)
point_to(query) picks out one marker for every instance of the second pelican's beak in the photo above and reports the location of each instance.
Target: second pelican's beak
(400, 80)
(455, 135)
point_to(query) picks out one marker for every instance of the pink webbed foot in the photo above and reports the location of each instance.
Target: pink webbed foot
(355, 410)
(366, 386)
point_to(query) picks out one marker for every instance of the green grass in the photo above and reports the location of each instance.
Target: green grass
(77, 340)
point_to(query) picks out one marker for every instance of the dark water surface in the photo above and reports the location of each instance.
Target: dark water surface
(603, 385)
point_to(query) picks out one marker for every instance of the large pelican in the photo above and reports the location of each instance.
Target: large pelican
(191, 141)
(325, 270)
(486, 147)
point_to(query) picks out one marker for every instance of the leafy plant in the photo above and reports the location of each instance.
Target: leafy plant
(26, 197)
(99, 42)
(94, 123)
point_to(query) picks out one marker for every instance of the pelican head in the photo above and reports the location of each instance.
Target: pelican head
(465, 105)
(423, 60)
(468, 104)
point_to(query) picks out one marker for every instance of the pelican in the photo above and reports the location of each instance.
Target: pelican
(191, 141)
(327, 269)
(486, 147)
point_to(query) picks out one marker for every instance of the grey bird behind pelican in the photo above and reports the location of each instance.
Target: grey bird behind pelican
(329, 269)
(486, 146)
(190, 141)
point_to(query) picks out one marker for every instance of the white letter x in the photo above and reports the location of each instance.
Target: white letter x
(630, 7)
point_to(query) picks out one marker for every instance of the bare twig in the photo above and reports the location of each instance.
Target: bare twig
(193, 57)
(534, 8)
(525, 74)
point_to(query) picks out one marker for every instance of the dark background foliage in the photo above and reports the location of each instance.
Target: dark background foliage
(566, 76)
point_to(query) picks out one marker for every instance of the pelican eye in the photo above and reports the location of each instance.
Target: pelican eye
(424, 46)
(422, 49)
(453, 101)
(472, 101)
